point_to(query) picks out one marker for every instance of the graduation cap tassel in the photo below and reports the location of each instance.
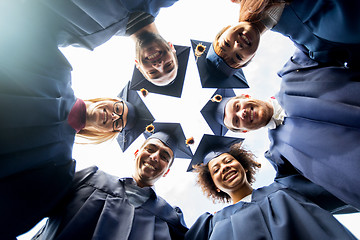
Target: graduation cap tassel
(199, 50)
(150, 128)
(217, 98)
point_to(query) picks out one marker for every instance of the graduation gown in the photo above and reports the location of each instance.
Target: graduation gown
(36, 165)
(90, 23)
(329, 31)
(98, 208)
(321, 134)
(276, 211)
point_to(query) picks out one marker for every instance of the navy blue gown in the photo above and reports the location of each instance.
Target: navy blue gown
(90, 23)
(97, 207)
(328, 30)
(320, 136)
(282, 210)
(36, 165)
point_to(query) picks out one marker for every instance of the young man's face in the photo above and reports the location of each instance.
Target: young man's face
(247, 114)
(152, 162)
(156, 59)
(238, 44)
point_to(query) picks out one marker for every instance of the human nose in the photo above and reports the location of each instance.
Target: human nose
(243, 114)
(238, 45)
(114, 116)
(155, 156)
(158, 64)
(225, 168)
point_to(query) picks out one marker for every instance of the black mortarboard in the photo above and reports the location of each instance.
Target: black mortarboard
(213, 111)
(174, 89)
(172, 135)
(138, 117)
(214, 72)
(210, 147)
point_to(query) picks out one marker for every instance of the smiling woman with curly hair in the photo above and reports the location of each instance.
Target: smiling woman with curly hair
(284, 209)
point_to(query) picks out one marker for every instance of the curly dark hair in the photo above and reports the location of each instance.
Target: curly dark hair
(243, 156)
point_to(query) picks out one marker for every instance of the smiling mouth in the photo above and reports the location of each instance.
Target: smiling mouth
(230, 175)
(154, 57)
(105, 116)
(251, 115)
(149, 166)
(245, 38)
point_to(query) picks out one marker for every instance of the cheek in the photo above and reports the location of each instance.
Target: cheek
(217, 180)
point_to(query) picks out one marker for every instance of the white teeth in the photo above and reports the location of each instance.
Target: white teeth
(245, 39)
(229, 175)
(152, 56)
(149, 166)
(252, 116)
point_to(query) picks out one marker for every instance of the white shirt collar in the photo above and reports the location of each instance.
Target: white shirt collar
(247, 198)
(278, 115)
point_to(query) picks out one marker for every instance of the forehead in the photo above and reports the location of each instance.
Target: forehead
(164, 78)
(234, 100)
(159, 144)
(217, 160)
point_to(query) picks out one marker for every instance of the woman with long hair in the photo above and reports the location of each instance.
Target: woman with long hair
(328, 31)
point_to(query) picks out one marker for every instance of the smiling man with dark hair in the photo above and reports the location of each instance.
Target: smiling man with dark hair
(103, 206)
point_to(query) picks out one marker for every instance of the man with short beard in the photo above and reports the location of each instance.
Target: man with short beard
(89, 24)
(102, 206)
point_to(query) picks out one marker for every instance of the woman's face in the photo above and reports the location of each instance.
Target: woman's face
(107, 116)
(227, 173)
(238, 44)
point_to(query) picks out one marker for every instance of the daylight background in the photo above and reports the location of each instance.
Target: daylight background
(106, 70)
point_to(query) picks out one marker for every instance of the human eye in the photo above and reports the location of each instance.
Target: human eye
(117, 109)
(238, 57)
(164, 157)
(150, 149)
(215, 170)
(226, 43)
(229, 160)
(168, 64)
(116, 124)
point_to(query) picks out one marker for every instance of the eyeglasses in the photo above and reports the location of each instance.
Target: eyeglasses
(119, 122)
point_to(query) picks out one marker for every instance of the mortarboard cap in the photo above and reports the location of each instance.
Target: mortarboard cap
(174, 89)
(172, 135)
(214, 72)
(138, 117)
(213, 112)
(210, 147)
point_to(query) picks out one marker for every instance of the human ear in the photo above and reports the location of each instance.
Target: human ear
(137, 64)
(167, 171)
(136, 153)
(172, 47)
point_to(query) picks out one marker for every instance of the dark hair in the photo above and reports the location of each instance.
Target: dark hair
(244, 157)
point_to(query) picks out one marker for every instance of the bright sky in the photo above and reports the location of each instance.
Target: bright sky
(104, 72)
